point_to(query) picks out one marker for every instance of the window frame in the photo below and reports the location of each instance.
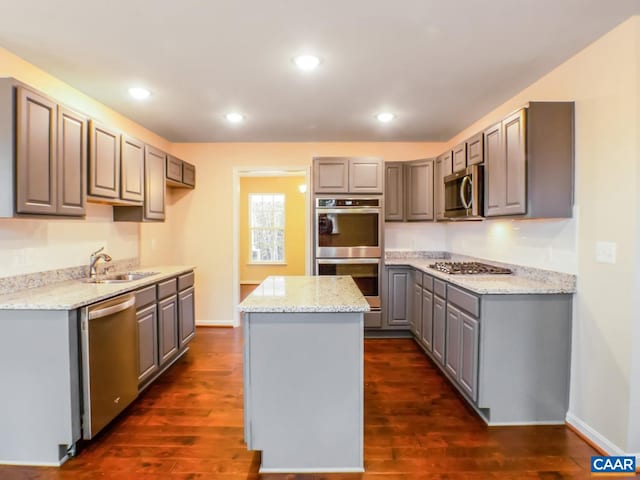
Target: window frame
(273, 229)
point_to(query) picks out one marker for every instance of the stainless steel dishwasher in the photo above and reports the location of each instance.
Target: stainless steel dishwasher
(109, 361)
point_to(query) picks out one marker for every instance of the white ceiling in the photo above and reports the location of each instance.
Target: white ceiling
(438, 64)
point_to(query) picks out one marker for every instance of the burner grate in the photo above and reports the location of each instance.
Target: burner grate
(469, 268)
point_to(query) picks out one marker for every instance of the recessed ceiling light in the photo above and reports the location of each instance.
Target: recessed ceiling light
(234, 117)
(385, 117)
(306, 63)
(139, 93)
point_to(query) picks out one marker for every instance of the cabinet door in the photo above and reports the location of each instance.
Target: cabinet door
(398, 297)
(475, 149)
(419, 190)
(148, 363)
(459, 157)
(188, 174)
(394, 192)
(154, 191)
(468, 378)
(494, 171)
(36, 166)
(439, 323)
(186, 315)
(174, 168)
(442, 169)
(452, 349)
(132, 166)
(416, 311)
(513, 128)
(331, 175)
(72, 161)
(168, 328)
(427, 320)
(365, 175)
(104, 161)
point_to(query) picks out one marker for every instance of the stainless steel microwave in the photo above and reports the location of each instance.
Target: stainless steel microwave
(463, 194)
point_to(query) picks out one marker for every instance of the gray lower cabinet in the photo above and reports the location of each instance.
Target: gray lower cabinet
(439, 326)
(186, 306)
(529, 159)
(452, 342)
(426, 335)
(469, 340)
(148, 363)
(397, 297)
(416, 310)
(168, 328)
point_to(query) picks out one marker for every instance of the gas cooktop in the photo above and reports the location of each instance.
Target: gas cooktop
(469, 268)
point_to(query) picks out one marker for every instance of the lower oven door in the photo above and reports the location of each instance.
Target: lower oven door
(364, 271)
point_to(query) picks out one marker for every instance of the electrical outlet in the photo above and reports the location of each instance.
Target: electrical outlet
(605, 252)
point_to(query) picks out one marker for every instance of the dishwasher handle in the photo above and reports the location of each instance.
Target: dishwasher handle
(118, 307)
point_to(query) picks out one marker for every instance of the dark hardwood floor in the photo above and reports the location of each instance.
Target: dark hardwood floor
(188, 425)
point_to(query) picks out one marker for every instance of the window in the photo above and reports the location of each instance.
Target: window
(266, 227)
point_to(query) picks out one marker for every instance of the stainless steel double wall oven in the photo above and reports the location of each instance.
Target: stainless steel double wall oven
(348, 241)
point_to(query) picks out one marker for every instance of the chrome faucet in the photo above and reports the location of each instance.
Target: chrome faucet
(93, 260)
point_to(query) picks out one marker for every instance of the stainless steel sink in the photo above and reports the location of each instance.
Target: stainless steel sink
(121, 277)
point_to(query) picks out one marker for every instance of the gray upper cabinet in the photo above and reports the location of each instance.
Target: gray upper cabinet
(189, 174)
(459, 157)
(365, 175)
(174, 169)
(50, 157)
(443, 167)
(132, 169)
(475, 149)
(72, 163)
(419, 190)
(347, 175)
(154, 192)
(529, 162)
(394, 192)
(331, 175)
(36, 153)
(180, 173)
(104, 161)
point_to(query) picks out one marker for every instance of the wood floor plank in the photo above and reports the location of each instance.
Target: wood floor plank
(189, 425)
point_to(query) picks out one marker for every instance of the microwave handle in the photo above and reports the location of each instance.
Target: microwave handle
(467, 205)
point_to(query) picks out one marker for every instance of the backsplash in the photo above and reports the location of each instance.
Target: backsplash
(37, 245)
(40, 279)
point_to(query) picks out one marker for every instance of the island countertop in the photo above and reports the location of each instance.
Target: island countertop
(306, 294)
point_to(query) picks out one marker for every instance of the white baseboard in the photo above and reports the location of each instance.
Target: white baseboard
(594, 436)
(215, 323)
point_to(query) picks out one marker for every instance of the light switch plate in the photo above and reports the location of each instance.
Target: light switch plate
(605, 252)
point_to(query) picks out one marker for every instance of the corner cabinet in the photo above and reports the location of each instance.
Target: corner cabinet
(347, 175)
(50, 142)
(529, 162)
(179, 173)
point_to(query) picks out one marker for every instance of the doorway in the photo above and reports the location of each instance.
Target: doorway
(272, 227)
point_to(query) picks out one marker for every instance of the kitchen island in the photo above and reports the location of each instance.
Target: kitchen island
(303, 374)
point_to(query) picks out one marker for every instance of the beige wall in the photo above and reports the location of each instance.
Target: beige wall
(28, 246)
(295, 233)
(205, 216)
(603, 81)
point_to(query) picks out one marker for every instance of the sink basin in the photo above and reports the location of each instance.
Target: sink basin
(121, 277)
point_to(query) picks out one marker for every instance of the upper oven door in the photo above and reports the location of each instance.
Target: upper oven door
(348, 232)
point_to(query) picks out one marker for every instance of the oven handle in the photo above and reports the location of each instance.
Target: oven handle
(333, 261)
(463, 198)
(348, 210)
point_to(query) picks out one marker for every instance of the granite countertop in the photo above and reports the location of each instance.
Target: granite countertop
(306, 294)
(74, 294)
(523, 281)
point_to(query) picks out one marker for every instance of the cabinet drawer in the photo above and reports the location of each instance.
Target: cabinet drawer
(167, 288)
(188, 174)
(174, 168)
(466, 301)
(427, 282)
(440, 288)
(185, 281)
(145, 296)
